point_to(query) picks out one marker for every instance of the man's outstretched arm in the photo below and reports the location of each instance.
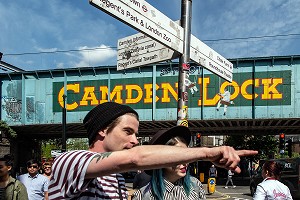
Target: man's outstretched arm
(160, 156)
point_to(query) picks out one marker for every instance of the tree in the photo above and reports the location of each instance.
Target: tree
(48, 145)
(267, 145)
(55, 144)
(9, 132)
(77, 144)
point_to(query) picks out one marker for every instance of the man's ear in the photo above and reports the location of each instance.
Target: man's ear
(9, 168)
(103, 132)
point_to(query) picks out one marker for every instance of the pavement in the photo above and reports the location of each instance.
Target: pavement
(220, 191)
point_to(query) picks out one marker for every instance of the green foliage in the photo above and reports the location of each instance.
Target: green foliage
(55, 144)
(265, 144)
(46, 148)
(77, 144)
(285, 155)
(9, 132)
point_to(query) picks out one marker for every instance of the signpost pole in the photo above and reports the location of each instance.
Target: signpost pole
(184, 63)
(64, 123)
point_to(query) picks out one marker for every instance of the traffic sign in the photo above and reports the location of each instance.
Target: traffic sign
(210, 59)
(143, 17)
(139, 50)
(147, 10)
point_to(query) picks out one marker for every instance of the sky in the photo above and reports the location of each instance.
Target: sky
(54, 34)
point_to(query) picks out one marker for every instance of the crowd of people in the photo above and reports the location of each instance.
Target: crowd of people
(95, 173)
(32, 185)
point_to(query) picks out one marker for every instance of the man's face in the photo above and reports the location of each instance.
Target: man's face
(4, 169)
(123, 136)
(33, 169)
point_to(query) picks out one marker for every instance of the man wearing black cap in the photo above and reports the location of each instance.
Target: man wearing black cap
(112, 130)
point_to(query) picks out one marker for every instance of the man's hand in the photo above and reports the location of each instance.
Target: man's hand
(227, 157)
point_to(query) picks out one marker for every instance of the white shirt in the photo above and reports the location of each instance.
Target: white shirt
(272, 189)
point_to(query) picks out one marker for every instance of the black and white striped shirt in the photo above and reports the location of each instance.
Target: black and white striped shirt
(67, 182)
(173, 191)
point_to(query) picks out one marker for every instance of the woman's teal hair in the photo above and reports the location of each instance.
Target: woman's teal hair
(157, 180)
(158, 186)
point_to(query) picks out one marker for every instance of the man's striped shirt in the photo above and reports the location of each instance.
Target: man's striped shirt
(67, 181)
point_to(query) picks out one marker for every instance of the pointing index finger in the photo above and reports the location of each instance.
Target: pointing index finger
(246, 152)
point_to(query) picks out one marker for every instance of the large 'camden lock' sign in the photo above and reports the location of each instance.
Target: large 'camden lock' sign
(138, 92)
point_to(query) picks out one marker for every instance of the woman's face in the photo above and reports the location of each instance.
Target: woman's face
(264, 173)
(47, 169)
(174, 173)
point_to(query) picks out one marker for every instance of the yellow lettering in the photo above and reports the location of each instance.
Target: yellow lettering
(89, 95)
(75, 88)
(206, 101)
(200, 85)
(129, 89)
(268, 88)
(104, 94)
(167, 88)
(244, 87)
(156, 88)
(236, 91)
(234, 85)
(149, 93)
(117, 93)
(168, 92)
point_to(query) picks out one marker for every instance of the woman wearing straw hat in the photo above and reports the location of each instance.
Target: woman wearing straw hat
(171, 182)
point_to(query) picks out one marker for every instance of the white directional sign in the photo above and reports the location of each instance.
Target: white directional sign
(211, 60)
(139, 49)
(145, 18)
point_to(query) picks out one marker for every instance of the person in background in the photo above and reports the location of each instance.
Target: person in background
(172, 182)
(47, 169)
(10, 188)
(229, 179)
(112, 130)
(140, 179)
(271, 187)
(35, 183)
(212, 173)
